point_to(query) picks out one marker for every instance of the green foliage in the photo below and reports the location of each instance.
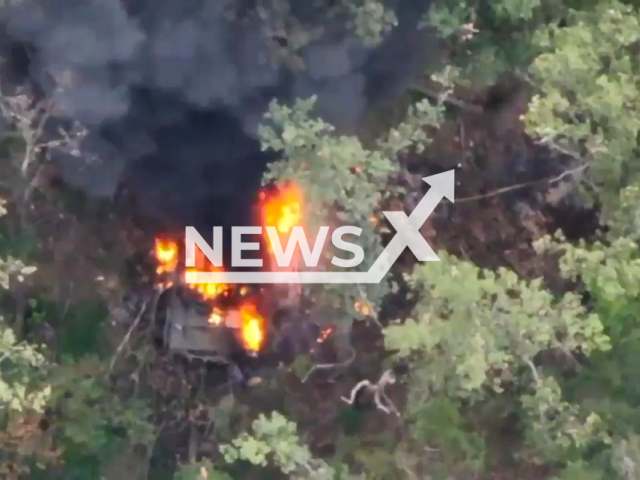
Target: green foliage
(625, 221)
(488, 40)
(22, 369)
(588, 95)
(82, 328)
(625, 457)
(608, 387)
(610, 272)
(448, 17)
(334, 170)
(21, 365)
(276, 439)
(93, 417)
(558, 430)
(579, 471)
(474, 334)
(91, 421)
(514, 10)
(371, 21)
(473, 327)
(439, 424)
(343, 181)
(411, 132)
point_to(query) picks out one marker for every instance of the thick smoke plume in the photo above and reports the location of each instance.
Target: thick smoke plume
(173, 90)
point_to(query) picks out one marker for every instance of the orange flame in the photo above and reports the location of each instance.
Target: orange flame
(252, 324)
(215, 317)
(252, 329)
(166, 252)
(363, 307)
(283, 209)
(209, 291)
(324, 334)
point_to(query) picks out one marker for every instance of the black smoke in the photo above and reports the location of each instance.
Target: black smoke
(172, 90)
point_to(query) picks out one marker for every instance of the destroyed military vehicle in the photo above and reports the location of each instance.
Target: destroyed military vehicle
(190, 328)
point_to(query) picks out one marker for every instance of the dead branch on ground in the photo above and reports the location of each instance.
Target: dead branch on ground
(377, 389)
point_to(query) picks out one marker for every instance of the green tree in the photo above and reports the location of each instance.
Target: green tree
(587, 100)
(475, 334)
(344, 182)
(274, 439)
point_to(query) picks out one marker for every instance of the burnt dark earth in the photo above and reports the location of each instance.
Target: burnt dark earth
(172, 92)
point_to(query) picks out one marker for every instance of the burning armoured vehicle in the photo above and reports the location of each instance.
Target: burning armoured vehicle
(192, 329)
(212, 321)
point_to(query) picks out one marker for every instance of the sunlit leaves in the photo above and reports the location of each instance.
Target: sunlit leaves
(371, 20)
(335, 171)
(611, 271)
(588, 95)
(412, 133)
(448, 17)
(556, 427)
(275, 439)
(21, 364)
(488, 40)
(515, 9)
(472, 327)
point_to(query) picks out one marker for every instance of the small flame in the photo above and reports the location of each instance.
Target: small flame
(216, 318)
(209, 291)
(166, 252)
(252, 328)
(324, 334)
(364, 308)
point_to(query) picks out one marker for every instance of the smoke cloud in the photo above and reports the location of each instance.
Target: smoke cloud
(173, 90)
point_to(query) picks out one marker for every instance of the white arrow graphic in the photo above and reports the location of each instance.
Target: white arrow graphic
(407, 235)
(408, 228)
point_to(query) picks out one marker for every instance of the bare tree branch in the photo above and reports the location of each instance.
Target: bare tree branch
(500, 191)
(468, 107)
(126, 338)
(327, 366)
